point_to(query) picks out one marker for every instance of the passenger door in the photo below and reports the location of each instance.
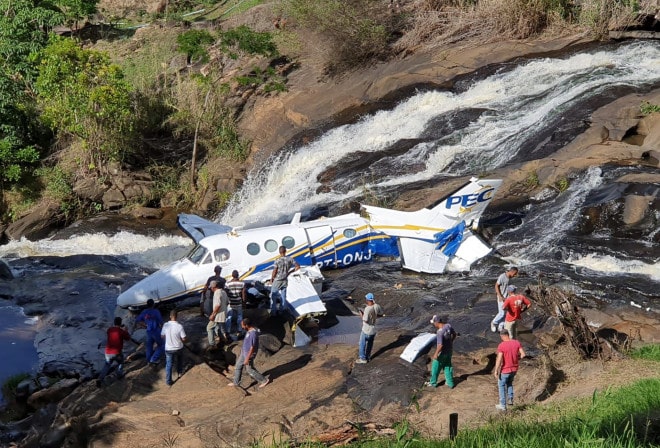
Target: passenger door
(322, 246)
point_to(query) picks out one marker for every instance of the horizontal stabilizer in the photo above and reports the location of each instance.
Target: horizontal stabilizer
(199, 228)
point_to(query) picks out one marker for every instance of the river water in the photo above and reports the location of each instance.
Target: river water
(518, 112)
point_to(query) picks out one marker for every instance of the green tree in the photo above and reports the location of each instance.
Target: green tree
(193, 44)
(76, 10)
(24, 27)
(82, 94)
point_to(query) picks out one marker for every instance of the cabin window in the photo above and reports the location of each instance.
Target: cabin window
(349, 233)
(253, 249)
(197, 254)
(207, 259)
(221, 254)
(288, 242)
(271, 245)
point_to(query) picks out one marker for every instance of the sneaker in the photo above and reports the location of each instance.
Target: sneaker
(429, 384)
(500, 407)
(232, 385)
(264, 383)
(510, 402)
(493, 328)
(360, 361)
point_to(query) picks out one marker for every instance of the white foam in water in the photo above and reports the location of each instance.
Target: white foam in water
(610, 265)
(515, 102)
(145, 251)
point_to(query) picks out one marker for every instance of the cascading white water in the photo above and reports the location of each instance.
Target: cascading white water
(518, 102)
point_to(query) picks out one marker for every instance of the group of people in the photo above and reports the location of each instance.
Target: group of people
(227, 302)
(167, 337)
(224, 309)
(510, 308)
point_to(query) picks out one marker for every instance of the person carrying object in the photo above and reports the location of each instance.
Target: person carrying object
(441, 359)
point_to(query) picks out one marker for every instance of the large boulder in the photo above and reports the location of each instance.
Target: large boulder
(52, 394)
(36, 225)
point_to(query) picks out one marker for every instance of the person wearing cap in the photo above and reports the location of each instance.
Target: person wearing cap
(283, 266)
(205, 302)
(368, 333)
(513, 307)
(441, 359)
(509, 352)
(218, 317)
(151, 319)
(502, 291)
(237, 295)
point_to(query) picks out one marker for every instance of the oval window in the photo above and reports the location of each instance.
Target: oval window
(221, 254)
(288, 242)
(253, 249)
(271, 245)
(350, 233)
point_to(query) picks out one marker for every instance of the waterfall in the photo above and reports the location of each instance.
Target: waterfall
(511, 105)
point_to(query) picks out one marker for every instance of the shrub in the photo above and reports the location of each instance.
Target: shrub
(83, 95)
(355, 30)
(244, 39)
(646, 108)
(194, 44)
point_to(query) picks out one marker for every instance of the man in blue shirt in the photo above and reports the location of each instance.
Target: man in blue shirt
(151, 319)
(248, 353)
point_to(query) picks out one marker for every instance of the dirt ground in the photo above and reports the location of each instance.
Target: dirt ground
(308, 397)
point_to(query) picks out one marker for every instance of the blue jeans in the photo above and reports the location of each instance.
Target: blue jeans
(155, 338)
(231, 314)
(277, 293)
(499, 317)
(505, 385)
(366, 344)
(109, 360)
(172, 356)
(254, 373)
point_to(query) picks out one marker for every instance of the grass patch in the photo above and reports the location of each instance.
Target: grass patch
(647, 108)
(650, 352)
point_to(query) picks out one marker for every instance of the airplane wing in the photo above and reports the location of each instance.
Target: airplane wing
(198, 228)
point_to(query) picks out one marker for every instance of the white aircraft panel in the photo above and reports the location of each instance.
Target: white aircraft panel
(417, 345)
(302, 296)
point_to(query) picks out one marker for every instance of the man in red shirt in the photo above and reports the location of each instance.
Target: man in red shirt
(509, 352)
(117, 334)
(513, 306)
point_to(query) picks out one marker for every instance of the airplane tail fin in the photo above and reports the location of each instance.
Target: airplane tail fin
(467, 203)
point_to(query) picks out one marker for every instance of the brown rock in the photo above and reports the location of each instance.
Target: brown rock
(89, 189)
(113, 198)
(146, 212)
(635, 208)
(53, 394)
(37, 224)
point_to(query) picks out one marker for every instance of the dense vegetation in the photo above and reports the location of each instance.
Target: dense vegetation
(68, 112)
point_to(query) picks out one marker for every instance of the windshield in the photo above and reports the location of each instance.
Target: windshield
(197, 254)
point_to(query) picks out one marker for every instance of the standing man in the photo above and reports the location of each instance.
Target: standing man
(218, 316)
(368, 334)
(174, 336)
(117, 334)
(443, 351)
(248, 353)
(509, 352)
(237, 296)
(151, 319)
(208, 298)
(279, 280)
(501, 291)
(514, 306)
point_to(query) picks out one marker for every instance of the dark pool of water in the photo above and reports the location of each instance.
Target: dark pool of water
(17, 350)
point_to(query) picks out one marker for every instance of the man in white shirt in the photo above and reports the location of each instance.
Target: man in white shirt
(174, 336)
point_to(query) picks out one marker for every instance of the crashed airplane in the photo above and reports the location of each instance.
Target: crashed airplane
(429, 240)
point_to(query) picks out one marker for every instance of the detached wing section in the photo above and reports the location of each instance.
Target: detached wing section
(438, 238)
(198, 228)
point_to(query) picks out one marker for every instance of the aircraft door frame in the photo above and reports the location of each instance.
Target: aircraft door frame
(322, 250)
